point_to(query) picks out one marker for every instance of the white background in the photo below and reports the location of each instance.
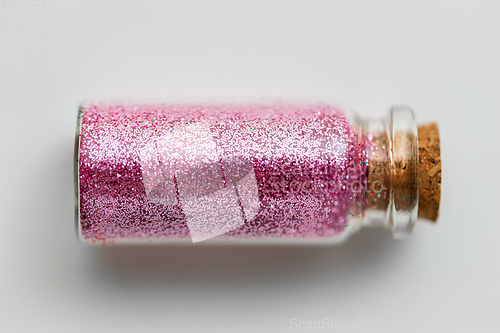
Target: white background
(440, 57)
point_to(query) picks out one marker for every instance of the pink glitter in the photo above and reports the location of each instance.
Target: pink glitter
(160, 172)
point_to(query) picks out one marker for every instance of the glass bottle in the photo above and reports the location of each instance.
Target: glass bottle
(250, 174)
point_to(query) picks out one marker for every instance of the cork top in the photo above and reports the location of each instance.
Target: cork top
(404, 174)
(429, 169)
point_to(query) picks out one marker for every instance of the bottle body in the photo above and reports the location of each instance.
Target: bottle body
(304, 174)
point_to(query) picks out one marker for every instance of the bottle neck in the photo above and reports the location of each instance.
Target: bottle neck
(392, 181)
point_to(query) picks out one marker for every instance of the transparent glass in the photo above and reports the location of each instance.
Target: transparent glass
(245, 174)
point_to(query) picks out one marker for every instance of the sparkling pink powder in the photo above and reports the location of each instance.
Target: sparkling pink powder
(154, 172)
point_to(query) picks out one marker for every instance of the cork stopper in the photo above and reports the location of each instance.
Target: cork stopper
(406, 173)
(429, 169)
